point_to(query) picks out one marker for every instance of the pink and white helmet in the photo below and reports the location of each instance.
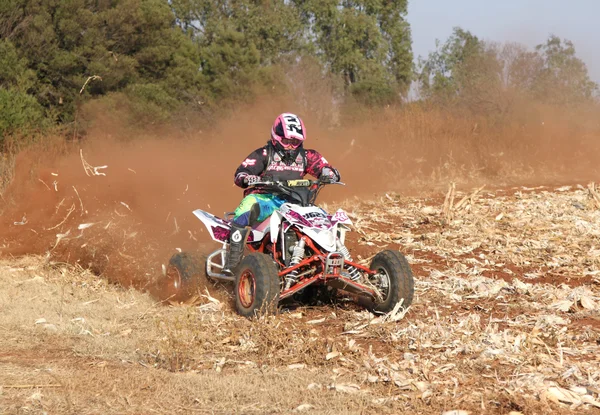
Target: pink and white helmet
(288, 131)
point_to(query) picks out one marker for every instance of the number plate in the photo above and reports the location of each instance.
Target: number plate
(298, 183)
(334, 262)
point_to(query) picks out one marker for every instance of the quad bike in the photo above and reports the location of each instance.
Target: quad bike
(298, 249)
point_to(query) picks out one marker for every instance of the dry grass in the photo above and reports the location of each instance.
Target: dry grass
(430, 145)
(7, 166)
(72, 343)
(505, 319)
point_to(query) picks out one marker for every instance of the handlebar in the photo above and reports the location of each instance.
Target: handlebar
(295, 183)
(302, 191)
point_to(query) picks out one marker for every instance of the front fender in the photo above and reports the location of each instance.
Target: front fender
(274, 225)
(325, 238)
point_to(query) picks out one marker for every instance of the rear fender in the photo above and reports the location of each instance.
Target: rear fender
(217, 227)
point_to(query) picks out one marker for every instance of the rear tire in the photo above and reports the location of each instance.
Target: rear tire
(182, 277)
(394, 266)
(256, 286)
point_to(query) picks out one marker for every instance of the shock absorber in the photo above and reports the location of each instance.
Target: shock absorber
(354, 273)
(297, 256)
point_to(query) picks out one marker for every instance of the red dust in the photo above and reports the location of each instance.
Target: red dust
(127, 220)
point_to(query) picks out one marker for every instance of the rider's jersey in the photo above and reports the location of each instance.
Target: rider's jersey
(267, 161)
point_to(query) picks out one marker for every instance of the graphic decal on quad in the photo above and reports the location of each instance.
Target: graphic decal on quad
(341, 217)
(220, 234)
(313, 217)
(219, 228)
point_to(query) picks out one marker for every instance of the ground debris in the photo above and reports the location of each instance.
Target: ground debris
(506, 308)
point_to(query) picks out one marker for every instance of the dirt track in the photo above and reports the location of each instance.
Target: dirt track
(505, 319)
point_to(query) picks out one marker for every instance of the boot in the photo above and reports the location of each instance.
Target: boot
(237, 242)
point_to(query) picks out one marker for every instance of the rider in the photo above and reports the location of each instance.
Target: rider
(282, 158)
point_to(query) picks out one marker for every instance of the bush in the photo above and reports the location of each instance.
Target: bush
(151, 103)
(19, 112)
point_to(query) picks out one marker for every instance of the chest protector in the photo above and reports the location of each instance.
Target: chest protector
(280, 169)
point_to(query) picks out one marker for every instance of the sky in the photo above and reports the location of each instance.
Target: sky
(529, 22)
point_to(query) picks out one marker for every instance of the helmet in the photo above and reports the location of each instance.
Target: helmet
(288, 132)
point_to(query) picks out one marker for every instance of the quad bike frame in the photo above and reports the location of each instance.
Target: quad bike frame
(330, 264)
(270, 272)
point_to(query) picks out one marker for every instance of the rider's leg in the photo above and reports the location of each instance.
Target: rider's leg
(238, 234)
(267, 203)
(237, 241)
(240, 228)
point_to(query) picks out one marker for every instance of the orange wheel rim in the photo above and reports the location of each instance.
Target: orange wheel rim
(246, 288)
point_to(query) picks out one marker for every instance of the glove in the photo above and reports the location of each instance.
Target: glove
(328, 175)
(249, 180)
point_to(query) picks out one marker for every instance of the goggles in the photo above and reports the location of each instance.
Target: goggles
(294, 142)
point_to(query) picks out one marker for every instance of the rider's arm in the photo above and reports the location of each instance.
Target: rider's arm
(254, 165)
(315, 163)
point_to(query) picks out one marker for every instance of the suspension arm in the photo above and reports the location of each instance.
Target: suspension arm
(307, 261)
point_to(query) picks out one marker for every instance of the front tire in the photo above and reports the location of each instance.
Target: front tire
(394, 271)
(256, 286)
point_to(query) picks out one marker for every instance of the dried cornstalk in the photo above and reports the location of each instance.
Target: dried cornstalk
(87, 81)
(80, 201)
(89, 169)
(65, 219)
(468, 198)
(449, 202)
(594, 194)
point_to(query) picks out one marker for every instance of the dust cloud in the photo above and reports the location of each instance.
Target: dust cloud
(126, 221)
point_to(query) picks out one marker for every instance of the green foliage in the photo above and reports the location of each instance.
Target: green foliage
(166, 55)
(124, 42)
(230, 62)
(485, 77)
(151, 102)
(240, 41)
(562, 78)
(160, 57)
(13, 69)
(19, 112)
(444, 73)
(366, 42)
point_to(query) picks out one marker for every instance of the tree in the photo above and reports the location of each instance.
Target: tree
(444, 73)
(18, 109)
(19, 112)
(467, 70)
(366, 42)
(14, 71)
(520, 66)
(240, 41)
(125, 42)
(563, 78)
